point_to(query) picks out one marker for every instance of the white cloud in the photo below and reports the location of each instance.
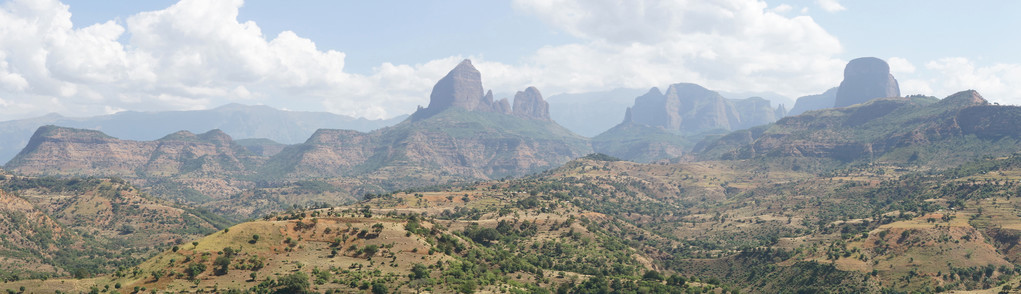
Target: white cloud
(782, 8)
(830, 5)
(900, 65)
(725, 45)
(192, 55)
(196, 54)
(996, 82)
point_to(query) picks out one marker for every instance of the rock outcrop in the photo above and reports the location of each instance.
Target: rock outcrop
(814, 102)
(502, 106)
(529, 104)
(865, 79)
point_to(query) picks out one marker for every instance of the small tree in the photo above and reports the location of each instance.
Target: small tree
(221, 263)
(293, 283)
(419, 271)
(652, 275)
(127, 229)
(370, 250)
(194, 269)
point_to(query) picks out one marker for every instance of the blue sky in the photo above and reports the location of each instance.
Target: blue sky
(380, 58)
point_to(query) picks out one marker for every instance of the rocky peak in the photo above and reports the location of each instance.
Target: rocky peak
(649, 109)
(217, 137)
(865, 79)
(965, 98)
(461, 88)
(781, 111)
(179, 136)
(529, 104)
(502, 106)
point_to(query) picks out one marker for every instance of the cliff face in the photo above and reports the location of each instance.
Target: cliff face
(865, 79)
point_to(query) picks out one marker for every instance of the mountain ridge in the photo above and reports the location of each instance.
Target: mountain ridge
(239, 120)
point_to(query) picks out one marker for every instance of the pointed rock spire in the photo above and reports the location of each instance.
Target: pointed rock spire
(461, 87)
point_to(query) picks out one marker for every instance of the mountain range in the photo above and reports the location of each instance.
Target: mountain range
(240, 121)
(463, 135)
(858, 193)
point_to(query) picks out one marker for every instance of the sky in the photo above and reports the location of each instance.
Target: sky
(379, 59)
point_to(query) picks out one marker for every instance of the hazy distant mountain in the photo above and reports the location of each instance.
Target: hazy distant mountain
(240, 121)
(664, 125)
(866, 78)
(814, 102)
(591, 113)
(774, 99)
